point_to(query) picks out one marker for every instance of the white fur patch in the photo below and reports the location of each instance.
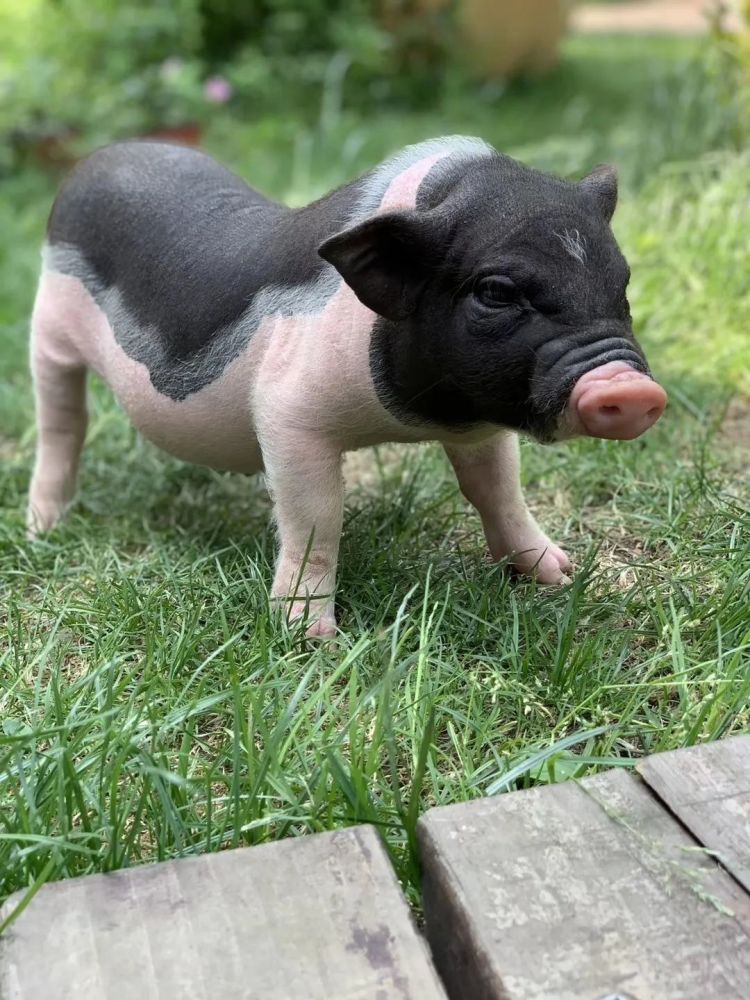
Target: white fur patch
(457, 147)
(574, 243)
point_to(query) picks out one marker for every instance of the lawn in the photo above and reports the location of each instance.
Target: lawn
(153, 706)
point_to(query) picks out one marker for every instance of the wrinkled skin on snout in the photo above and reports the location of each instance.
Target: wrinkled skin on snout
(505, 303)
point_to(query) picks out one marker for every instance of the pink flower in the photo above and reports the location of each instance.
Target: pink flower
(217, 90)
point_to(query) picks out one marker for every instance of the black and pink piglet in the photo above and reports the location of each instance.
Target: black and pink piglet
(450, 294)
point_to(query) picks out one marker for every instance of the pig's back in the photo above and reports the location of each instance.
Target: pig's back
(184, 259)
(182, 262)
(172, 232)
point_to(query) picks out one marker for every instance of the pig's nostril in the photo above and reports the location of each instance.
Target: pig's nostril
(654, 412)
(610, 411)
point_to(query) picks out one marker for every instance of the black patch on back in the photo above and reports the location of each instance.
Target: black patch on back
(188, 245)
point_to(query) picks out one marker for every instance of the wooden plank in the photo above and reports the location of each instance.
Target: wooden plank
(708, 789)
(308, 918)
(577, 891)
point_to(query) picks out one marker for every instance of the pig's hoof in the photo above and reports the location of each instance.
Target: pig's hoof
(41, 517)
(320, 625)
(323, 628)
(547, 563)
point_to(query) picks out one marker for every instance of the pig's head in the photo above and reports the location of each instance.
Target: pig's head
(502, 299)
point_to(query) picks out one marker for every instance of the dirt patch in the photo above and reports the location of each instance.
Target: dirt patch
(615, 557)
(735, 428)
(677, 17)
(364, 469)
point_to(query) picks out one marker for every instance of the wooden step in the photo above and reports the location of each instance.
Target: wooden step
(708, 789)
(613, 887)
(584, 890)
(309, 917)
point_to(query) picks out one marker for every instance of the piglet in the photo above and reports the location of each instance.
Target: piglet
(450, 294)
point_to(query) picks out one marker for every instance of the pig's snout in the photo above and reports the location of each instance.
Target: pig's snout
(615, 401)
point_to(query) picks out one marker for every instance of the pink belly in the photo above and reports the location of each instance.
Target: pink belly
(212, 427)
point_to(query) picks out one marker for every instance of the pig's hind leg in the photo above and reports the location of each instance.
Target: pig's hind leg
(489, 477)
(59, 375)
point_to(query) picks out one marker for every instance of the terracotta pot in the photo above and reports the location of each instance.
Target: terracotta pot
(52, 150)
(188, 134)
(513, 36)
(499, 38)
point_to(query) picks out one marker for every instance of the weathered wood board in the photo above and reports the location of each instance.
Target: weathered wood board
(579, 891)
(312, 917)
(708, 789)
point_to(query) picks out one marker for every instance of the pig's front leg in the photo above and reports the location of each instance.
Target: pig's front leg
(305, 481)
(489, 477)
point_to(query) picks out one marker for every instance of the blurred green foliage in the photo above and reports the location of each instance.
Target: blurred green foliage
(79, 73)
(104, 68)
(734, 46)
(278, 27)
(90, 65)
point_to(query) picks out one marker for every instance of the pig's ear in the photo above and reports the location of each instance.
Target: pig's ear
(601, 186)
(384, 260)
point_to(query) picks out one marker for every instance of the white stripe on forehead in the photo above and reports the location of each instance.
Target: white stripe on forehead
(379, 180)
(574, 243)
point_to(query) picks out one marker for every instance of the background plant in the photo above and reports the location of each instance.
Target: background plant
(96, 67)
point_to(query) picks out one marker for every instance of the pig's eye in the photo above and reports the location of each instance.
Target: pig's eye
(495, 292)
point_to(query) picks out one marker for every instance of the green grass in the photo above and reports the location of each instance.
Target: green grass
(154, 706)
